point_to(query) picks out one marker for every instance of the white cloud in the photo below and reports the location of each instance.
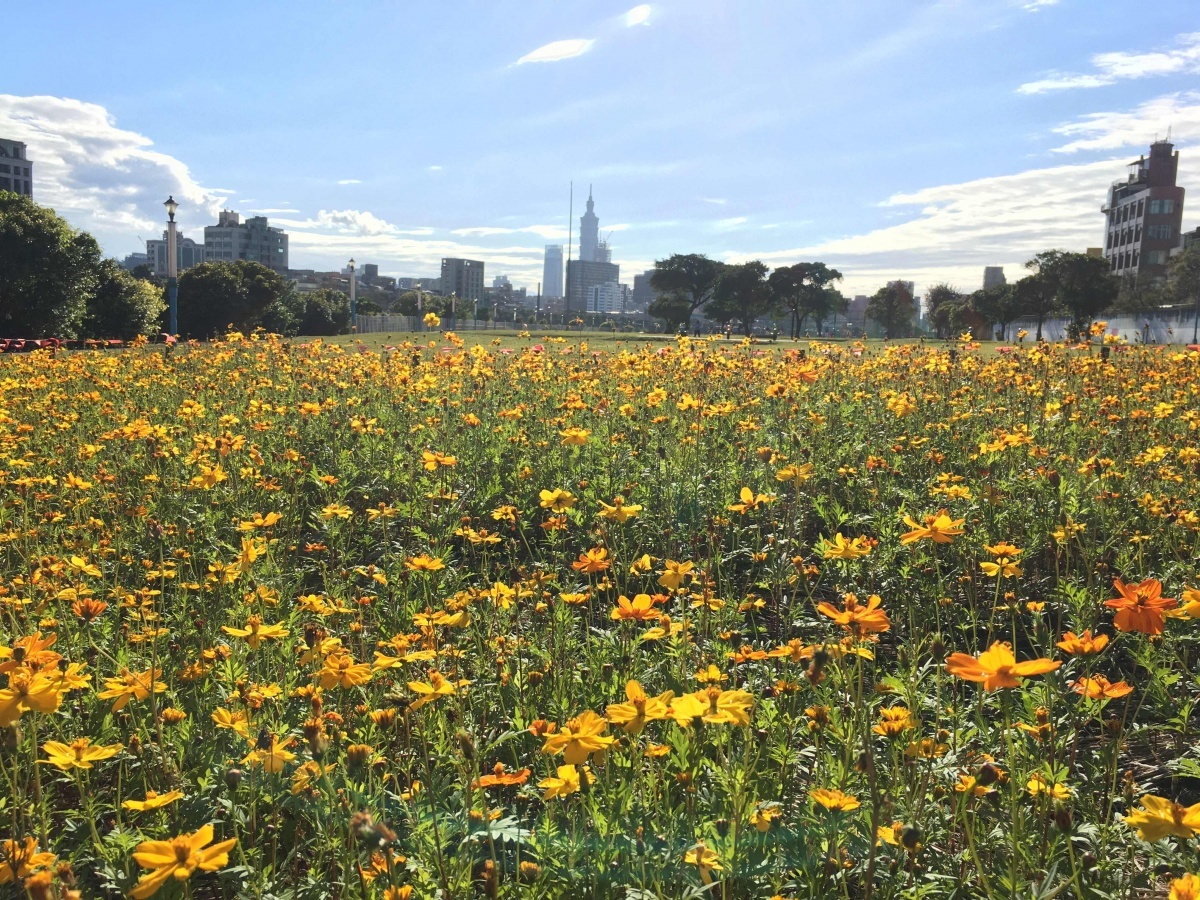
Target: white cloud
(272, 211)
(639, 15)
(957, 229)
(719, 201)
(435, 168)
(1121, 66)
(557, 50)
(349, 181)
(1035, 5)
(732, 222)
(104, 179)
(1178, 113)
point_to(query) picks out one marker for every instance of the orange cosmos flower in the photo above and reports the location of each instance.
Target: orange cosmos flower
(502, 778)
(1083, 644)
(641, 609)
(856, 618)
(997, 668)
(1097, 687)
(1141, 607)
(594, 560)
(939, 528)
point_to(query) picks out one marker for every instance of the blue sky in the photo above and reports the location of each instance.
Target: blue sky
(891, 138)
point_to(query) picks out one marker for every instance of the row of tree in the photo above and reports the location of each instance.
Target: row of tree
(54, 282)
(1076, 285)
(744, 292)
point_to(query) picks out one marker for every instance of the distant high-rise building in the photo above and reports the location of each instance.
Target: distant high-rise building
(253, 241)
(1145, 215)
(589, 232)
(463, 277)
(993, 276)
(187, 254)
(643, 291)
(552, 272)
(133, 260)
(370, 271)
(16, 168)
(582, 276)
(603, 252)
(501, 281)
(605, 298)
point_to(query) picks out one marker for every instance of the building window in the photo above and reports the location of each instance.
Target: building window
(1141, 208)
(1160, 232)
(1168, 206)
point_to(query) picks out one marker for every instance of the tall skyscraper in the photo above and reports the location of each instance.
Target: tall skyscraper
(582, 276)
(16, 169)
(643, 292)
(552, 272)
(463, 277)
(993, 276)
(1145, 215)
(253, 240)
(589, 231)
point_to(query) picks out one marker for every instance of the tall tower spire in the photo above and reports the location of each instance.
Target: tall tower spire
(589, 231)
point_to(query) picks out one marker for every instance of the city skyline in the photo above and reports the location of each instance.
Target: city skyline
(1004, 145)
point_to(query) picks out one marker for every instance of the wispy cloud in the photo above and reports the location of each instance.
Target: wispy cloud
(1120, 66)
(1035, 5)
(105, 179)
(270, 211)
(639, 15)
(1177, 113)
(718, 201)
(556, 51)
(349, 181)
(435, 168)
(952, 231)
(731, 222)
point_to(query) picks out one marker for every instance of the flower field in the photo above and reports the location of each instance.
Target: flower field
(287, 620)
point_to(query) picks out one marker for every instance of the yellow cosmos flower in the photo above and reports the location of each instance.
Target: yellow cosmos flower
(272, 757)
(575, 437)
(566, 781)
(152, 801)
(841, 548)
(834, 800)
(79, 754)
(579, 738)
(131, 686)
(633, 716)
(706, 862)
(178, 859)
(1159, 818)
(620, 512)
(556, 500)
(256, 632)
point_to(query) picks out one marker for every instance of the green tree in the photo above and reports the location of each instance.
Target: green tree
(1036, 298)
(943, 308)
(326, 312)
(1083, 285)
(673, 309)
(48, 270)
(245, 295)
(893, 308)
(1183, 277)
(1000, 305)
(801, 288)
(741, 293)
(121, 306)
(829, 302)
(691, 277)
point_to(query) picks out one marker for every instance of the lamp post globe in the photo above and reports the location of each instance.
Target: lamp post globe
(172, 269)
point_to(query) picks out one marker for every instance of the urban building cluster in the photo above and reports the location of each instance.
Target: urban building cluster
(1143, 230)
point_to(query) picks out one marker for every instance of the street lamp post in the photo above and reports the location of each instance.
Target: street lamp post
(172, 269)
(453, 306)
(353, 300)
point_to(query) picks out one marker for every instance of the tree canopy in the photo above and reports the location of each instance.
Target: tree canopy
(893, 308)
(804, 289)
(741, 293)
(691, 277)
(215, 296)
(48, 270)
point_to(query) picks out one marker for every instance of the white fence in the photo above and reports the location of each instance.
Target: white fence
(1151, 327)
